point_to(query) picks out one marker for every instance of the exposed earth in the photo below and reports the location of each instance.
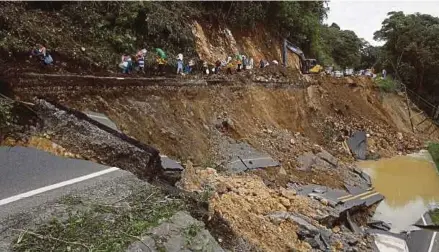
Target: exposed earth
(221, 128)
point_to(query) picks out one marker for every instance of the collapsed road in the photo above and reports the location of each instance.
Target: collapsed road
(73, 130)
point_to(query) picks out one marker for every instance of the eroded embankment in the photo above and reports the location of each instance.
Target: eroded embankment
(289, 122)
(191, 122)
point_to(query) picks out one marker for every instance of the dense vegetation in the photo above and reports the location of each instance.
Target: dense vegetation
(106, 29)
(411, 50)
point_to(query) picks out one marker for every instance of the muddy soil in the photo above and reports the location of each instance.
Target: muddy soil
(283, 122)
(197, 123)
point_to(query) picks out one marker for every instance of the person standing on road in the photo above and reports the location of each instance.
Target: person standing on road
(238, 62)
(217, 66)
(140, 58)
(244, 62)
(180, 64)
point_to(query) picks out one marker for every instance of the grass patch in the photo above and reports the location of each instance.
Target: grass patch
(434, 214)
(100, 227)
(433, 149)
(387, 85)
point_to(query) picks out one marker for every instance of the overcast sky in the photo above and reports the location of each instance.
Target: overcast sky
(365, 17)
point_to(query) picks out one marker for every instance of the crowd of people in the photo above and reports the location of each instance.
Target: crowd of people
(137, 63)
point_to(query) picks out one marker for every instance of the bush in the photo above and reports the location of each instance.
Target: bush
(433, 149)
(387, 85)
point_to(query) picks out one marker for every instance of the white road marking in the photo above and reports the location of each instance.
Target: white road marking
(433, 237)
(96, 116)
(430, 248)
(56, 186)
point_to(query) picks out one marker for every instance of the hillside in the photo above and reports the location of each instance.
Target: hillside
(83, 36)
(252, 153)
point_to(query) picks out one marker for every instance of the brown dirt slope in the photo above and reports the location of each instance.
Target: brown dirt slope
(285, 122)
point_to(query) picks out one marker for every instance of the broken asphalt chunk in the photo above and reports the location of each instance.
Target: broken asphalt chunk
(357, 143)
(101, 118)
(379, 225)
(326, 156)
(363, 175)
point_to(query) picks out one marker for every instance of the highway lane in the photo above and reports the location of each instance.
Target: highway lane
(25, 169)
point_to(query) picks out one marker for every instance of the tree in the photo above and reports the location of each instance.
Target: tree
(342, 45)
(412, 47)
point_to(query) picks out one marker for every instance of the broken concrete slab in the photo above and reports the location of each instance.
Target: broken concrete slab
(381, 225)
(357, 143)
(73, 130)
(353, 190)
(170, 164)
(328, 158)
(180, 233)
(340, 200)
(386, 242)
(363, 175)
(243, 157)
(316, 237)
(308, 161)
(252, 163)
(101, 118)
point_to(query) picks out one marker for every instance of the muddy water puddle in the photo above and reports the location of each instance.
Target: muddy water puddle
(409, 183)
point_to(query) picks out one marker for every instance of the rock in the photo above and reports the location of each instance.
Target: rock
(289, 194)
(353, 242)
(83, 49)
(399, 136)
(339, 246)
(282, 171)
(285, 202)
(336, 229)
(303, 224)
(324, 201)
(306, 161)
(328, 158)
(292, 141)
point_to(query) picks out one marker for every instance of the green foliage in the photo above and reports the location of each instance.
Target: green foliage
(435, 216)
(387, 85)
(343, 46)
(6, 117)
(433, 149)
(370, 56)
(107, 29)
(100, 227)
(412, 48)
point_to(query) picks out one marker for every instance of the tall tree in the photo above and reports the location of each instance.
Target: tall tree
(412, 47)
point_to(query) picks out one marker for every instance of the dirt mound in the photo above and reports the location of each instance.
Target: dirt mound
(244, 202)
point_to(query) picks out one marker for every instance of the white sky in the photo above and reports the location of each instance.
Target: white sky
(365, 17)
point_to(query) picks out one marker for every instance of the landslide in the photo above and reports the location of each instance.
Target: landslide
(197, 122)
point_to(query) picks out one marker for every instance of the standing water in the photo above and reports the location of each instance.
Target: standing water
(409, 183)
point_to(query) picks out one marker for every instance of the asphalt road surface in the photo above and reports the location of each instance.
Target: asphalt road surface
(25, 169)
